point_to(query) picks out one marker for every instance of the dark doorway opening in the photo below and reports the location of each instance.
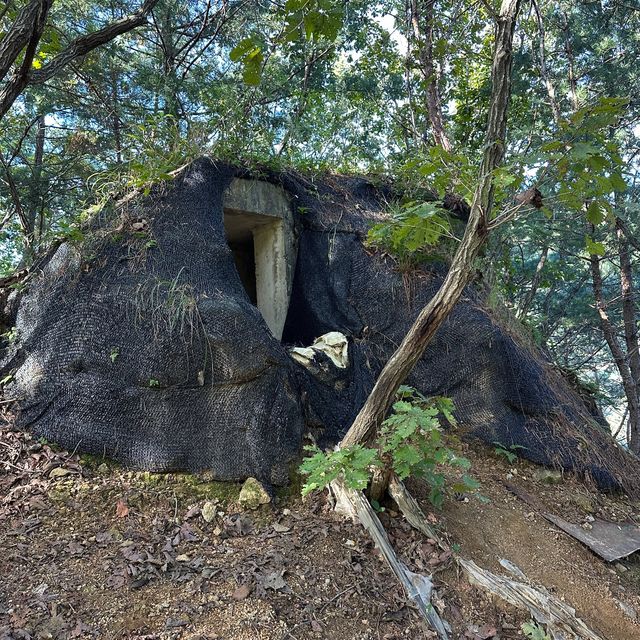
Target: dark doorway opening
(244, 257)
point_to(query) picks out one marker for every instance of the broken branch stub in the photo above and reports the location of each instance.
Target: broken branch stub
(557, 616)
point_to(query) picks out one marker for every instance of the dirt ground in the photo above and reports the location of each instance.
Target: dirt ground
(508, 528)
(91, 550)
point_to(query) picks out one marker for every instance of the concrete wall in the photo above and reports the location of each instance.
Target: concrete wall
(262, 210)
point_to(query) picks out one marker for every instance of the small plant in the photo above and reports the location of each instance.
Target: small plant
(509, 453)
(412, 228)
(153, 382)
(115, 352)
(6, 380)
(353, 463)
(534, 631)
(19, 286)
(71, 232)
(11, 336)
(411, 443)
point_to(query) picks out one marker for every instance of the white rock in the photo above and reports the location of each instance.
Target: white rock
(208, 511)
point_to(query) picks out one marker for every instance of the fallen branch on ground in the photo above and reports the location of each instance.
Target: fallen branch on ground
(417, 587)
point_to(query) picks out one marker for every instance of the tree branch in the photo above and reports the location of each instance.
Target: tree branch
(432, 316)
(15, 86)
(87, 43)
(18, 35)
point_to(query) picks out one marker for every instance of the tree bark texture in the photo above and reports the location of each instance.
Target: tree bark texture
(29, 26)
(622, 364)
(425, 55)
(377, 405)
(630, 329)
(33, 30)
(535, 283)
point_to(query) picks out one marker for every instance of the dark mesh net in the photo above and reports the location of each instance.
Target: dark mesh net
(143, 345)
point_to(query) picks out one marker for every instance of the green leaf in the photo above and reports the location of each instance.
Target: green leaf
(6, 380)
(594, 248)
(617, 182)
(534, 631)
(596, 212)
(242, 49)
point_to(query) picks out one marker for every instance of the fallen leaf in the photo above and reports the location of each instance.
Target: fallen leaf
(192, 512)
(122, 510)
(59, 472)
(175, 623)
(273, 581)
(80, 629)
(241, 593)
(75, 549)
(115, 581)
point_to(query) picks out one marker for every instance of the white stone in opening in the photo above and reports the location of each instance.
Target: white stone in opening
(334, 344)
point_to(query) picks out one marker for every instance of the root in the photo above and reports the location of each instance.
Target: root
(417, 587)
(559, 618)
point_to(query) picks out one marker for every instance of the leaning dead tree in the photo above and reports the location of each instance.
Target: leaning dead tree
(365, 427)
(377, 405)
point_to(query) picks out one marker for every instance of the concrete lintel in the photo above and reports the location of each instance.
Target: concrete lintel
(256, 196)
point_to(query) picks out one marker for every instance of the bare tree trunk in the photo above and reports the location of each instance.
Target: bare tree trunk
(551, 92)
(630, 331)
(633, 241)
(618, 355)
(408, 64)
(535, 283)
(435, 313)
(568, 49)
(428, 69)
(35, 190)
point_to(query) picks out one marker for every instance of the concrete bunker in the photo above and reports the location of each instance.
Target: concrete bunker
(259, 227)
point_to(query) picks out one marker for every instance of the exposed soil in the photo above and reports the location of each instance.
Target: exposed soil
(91, 550)
(507, 528)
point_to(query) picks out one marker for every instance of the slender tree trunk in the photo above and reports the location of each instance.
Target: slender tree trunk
(35, 191)
(628, 364)
(436, 311)
(165, 27)
(303, 100)
(619, 358)
(568, 49)
(427, 66)
(633, 241)
(115, 116)
(551, 91)
(630, 329)
(418, 140)
(535, 283)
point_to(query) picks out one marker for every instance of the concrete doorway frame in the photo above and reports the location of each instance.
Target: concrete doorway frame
(257, 215)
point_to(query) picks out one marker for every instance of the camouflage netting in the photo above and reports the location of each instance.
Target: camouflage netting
(142, 344)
